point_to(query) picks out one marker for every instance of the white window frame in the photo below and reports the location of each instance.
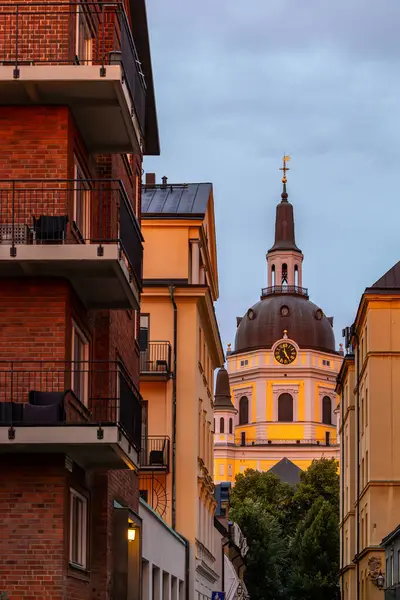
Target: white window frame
(84, 394)
(82, 25)
(83, 194)
(82, 530)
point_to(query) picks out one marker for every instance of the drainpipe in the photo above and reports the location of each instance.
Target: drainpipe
(358, 462)
(343, 462)
(223, 563)
(171, 291)
(187, 566)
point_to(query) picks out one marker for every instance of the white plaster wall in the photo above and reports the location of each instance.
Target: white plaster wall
(160, 546)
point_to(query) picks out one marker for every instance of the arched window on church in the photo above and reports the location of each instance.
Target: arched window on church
(285, 408)
(243, 410)
(284, 274)
(230, 425)
(222, 425)
(273, 275)
(327, 410)
(296, 275)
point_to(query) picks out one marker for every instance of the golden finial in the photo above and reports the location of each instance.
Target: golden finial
(285, 159)
(285, 334)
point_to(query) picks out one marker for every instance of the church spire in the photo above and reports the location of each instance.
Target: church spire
(284, 223)
(284, 258)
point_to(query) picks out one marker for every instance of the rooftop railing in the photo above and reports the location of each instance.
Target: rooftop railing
(80, 211)
(72, 33)
(287, 442)
(284, 289)
(57, 393)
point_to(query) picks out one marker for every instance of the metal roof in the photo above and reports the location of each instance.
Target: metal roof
(189, 199)
(287, 471)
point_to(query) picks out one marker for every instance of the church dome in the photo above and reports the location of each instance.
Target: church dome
(265, 322)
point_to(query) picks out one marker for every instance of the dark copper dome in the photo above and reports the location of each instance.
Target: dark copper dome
(265, 322)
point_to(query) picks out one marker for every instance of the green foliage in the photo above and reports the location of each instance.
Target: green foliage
(292, 532)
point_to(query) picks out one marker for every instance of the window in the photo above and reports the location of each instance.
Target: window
(222, 425)
(326, 363)
(221, 470)
(81, 202)
(80, 356)
(296, 275)
(366, 408)
(230, 470)
(243, 410)
(244, 363)
(230, 425)
(284, 274)
(243, 438)
(83, 37)
(144, 494)
(285, 407)
(144, 332)
(327, 410)
(78, 529)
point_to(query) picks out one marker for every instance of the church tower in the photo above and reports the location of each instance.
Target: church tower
(282, 371)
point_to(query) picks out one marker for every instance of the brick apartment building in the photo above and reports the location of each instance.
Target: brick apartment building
(77, 113)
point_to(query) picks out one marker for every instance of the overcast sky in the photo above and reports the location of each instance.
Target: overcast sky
(240, 83)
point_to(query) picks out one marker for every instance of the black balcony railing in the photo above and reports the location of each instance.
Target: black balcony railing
(156, 358)
(154, 452)
(72, 33)
(326, 441)
(284, 289)
(51, 211)
(51, 393)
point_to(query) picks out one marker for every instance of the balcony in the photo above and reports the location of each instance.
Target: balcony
(79, 54)
(293, 290)
(90, 411)
(154, 453)
(82, 230)
(155, 361)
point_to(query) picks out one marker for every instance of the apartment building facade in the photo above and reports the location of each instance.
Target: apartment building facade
(370, 411)
(77, 113)
(180, 348)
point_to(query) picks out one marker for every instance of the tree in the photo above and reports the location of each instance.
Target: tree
(267, 555)
(314, 554)
(292, 532)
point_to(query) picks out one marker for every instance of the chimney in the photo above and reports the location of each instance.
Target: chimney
(164, 181)
(150, 179)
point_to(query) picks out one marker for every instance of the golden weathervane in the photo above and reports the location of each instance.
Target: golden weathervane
(285, 168)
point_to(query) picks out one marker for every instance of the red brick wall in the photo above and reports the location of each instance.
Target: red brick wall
(32, 513)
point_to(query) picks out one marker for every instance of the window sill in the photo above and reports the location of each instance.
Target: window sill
(78, 572)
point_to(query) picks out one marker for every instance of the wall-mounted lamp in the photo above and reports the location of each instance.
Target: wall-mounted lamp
(131, 532)
(380, 581)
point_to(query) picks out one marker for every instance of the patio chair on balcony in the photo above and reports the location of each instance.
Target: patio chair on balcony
(45, 407)
(157, 456)
(50, 228)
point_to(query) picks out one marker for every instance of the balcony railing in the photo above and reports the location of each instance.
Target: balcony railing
(287, 442)
(72, 33)
(284, 289)
(90, 211)
(156, 358)
(154, 453)
(98, 393)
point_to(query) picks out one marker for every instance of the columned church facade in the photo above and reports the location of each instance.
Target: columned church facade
(275, 404)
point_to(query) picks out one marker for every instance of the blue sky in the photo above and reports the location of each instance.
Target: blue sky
(238, 84)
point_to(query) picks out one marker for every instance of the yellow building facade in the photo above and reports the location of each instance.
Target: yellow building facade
(180, 349)
(282, 374)
(369, 383)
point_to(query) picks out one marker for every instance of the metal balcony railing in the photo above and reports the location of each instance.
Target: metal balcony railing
(287, 442)
(284, 289)
(84, 211)
(156, 358)
(154, 452)
(72, 33)
(51, 393)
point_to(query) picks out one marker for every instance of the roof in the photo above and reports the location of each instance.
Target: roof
(188, 200)
(287, 471)
(390, 280)
(284, 226)
(140, 32)
(391, 536)
(222, 396)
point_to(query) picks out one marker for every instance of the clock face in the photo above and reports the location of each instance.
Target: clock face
(285, 353)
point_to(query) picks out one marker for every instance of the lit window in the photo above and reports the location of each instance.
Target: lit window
(78, 529)
(81, 202)
(83, 37)
(80, 356)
